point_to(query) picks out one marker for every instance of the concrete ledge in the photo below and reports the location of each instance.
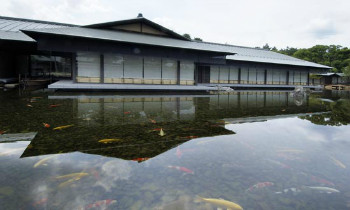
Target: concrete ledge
(69, 85)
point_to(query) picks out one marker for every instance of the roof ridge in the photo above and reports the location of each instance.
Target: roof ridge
(36, 21)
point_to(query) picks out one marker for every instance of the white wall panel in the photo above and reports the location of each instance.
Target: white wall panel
(186, 70)
(133, 66)
(113, 66)
(88, 64)
(169, 67)
(152, 68)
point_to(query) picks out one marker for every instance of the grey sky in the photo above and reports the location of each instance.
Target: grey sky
(280, 23)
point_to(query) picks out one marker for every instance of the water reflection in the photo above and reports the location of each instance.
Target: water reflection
(257, 149)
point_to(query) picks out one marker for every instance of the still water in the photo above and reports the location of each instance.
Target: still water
(260, 150)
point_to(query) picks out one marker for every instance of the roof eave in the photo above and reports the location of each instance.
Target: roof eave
(33, 35)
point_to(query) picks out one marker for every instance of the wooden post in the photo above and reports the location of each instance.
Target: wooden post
(102, 70)
(74, 67)
(239, 75)
(178, 73)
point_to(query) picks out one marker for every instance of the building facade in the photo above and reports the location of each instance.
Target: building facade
(139, 51)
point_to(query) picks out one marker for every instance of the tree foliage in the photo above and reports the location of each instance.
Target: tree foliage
(188, 36)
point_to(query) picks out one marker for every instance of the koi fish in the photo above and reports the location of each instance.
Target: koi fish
(40, 202)
(29, 105)
(183, 169)
(100, 204)
(106, 141)
(156, 129)
(188, 137)
(140, 159)
(2, 132)
(161, 133)
(55, 105)
(46, 125)
(11, 151)
(127, 112)
(293, 190)
(259, 186)
(153, 121)
(324, 189)
(178, 152)
(43, 161)
(63, 127)
(337, 162)
(68, 182)
(95, 173)
(75, 175)
(322, 181)
(222, 202)
(282, 165)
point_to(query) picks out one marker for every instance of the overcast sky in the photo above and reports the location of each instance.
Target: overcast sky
(280, 23)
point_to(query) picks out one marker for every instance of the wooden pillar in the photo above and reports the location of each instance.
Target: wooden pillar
(196, 74)
(102, 69)
(287, 79)
(178, 73)
(265, 76)
(74, 67)
(239, 75)
(308, 78)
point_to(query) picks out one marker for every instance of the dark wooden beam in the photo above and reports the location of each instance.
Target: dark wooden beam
(102, 68)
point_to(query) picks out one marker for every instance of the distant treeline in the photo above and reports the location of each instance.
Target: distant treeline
(334, 56)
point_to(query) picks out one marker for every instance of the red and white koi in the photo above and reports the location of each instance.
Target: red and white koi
(322, 181)
(259, 186)
(178, 152)
(141, 159)
(183, 169)
(40, 202)
(103, 204)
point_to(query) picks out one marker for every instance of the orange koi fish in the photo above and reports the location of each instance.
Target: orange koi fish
(156, 129)
(153, 121)
(188, 137)
(127, 112)
(55, 105)
(183, 169)
(40, 202)
(259, 186)
(141, 159)
(62, 127)
(46, 125)
(2, 132)
(100, 204)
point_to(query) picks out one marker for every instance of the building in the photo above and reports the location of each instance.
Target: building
(139, 54)
(330, 79)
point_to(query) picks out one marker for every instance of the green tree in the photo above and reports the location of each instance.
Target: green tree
(187, 36)
(198, 39)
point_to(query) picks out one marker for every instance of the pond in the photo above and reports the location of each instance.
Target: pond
(250, 150)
